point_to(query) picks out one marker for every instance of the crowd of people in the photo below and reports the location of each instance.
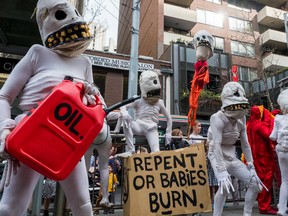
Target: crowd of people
(259, 127)
(260, 144)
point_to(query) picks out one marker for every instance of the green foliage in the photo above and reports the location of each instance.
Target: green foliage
(184, 94)
(206, 95)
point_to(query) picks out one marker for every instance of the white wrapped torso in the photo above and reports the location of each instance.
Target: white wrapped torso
(34, 77)
(223, 134)
(146, 112)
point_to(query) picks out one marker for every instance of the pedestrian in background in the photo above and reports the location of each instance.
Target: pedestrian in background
(48, 193)
(195, 137)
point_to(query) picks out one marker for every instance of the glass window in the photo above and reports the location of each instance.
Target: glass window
(246, 86)
(201, 16)
(210, 18)
(247, 74)
(239, 5)
(242, 49)
(250, 50)
(255, 86)
(280, 76)
(244, 76)
(253, 74)
(100, 81)
(262, 85)
(240, 25)
(274, 82)
(269, 83)
(219, 43)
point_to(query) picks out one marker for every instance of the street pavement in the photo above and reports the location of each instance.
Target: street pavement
(229, 210)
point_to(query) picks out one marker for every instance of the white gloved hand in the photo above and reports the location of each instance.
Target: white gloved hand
(168, 138)
(11, 164)
(127, 119)
(89, 94)
(3, 137)
(224, 180)
(253, 174)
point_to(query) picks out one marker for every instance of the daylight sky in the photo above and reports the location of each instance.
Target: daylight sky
(110, 14)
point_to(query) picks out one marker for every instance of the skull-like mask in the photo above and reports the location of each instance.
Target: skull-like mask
(62, 28)
(234, 102)
(204, 44)
(282, 101)
(150, 86)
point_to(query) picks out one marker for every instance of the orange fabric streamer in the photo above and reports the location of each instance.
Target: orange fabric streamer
(201, 78)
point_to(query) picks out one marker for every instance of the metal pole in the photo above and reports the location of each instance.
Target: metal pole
(60, 201)
(286, 26)
(37, 198)
(133, 67)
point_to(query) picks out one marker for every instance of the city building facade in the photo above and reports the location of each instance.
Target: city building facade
(250, 42)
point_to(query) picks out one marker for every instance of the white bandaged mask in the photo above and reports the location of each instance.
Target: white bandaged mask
(236, 114)
(234, 102)
(61, 27)
(204, 45)
(150, 86)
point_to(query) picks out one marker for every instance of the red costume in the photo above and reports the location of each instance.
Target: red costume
(259, 127)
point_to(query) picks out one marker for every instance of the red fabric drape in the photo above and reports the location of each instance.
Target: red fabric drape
(201, 78)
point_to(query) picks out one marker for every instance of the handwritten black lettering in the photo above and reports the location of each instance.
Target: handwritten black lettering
(172, 199)
(139, 182)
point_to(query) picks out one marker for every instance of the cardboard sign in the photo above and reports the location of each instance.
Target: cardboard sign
(167, 183)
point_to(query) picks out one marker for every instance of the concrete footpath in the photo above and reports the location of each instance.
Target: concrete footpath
(229, 210)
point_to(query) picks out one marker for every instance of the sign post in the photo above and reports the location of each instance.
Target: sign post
(286, 27)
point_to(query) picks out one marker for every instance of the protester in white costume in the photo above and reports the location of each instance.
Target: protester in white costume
(65, 36)
(280, 134)
(147, 110)
(226, 126)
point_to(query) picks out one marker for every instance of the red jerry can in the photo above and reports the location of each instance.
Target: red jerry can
(53, 137)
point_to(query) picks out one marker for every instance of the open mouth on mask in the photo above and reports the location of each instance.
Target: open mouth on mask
(154, 93)
(204, 43)
(236, 107)
(70, 33)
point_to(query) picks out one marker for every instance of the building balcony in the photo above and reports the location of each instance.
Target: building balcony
(179, 18)
(274, 40)
(274, 62)
(271, 17)
(181, 3)
(170, 37)
(274, 3)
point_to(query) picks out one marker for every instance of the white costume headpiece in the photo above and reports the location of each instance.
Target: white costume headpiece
(62, 28)
(282, 101)
(203, 40)
(150, 86)
(234, 102)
